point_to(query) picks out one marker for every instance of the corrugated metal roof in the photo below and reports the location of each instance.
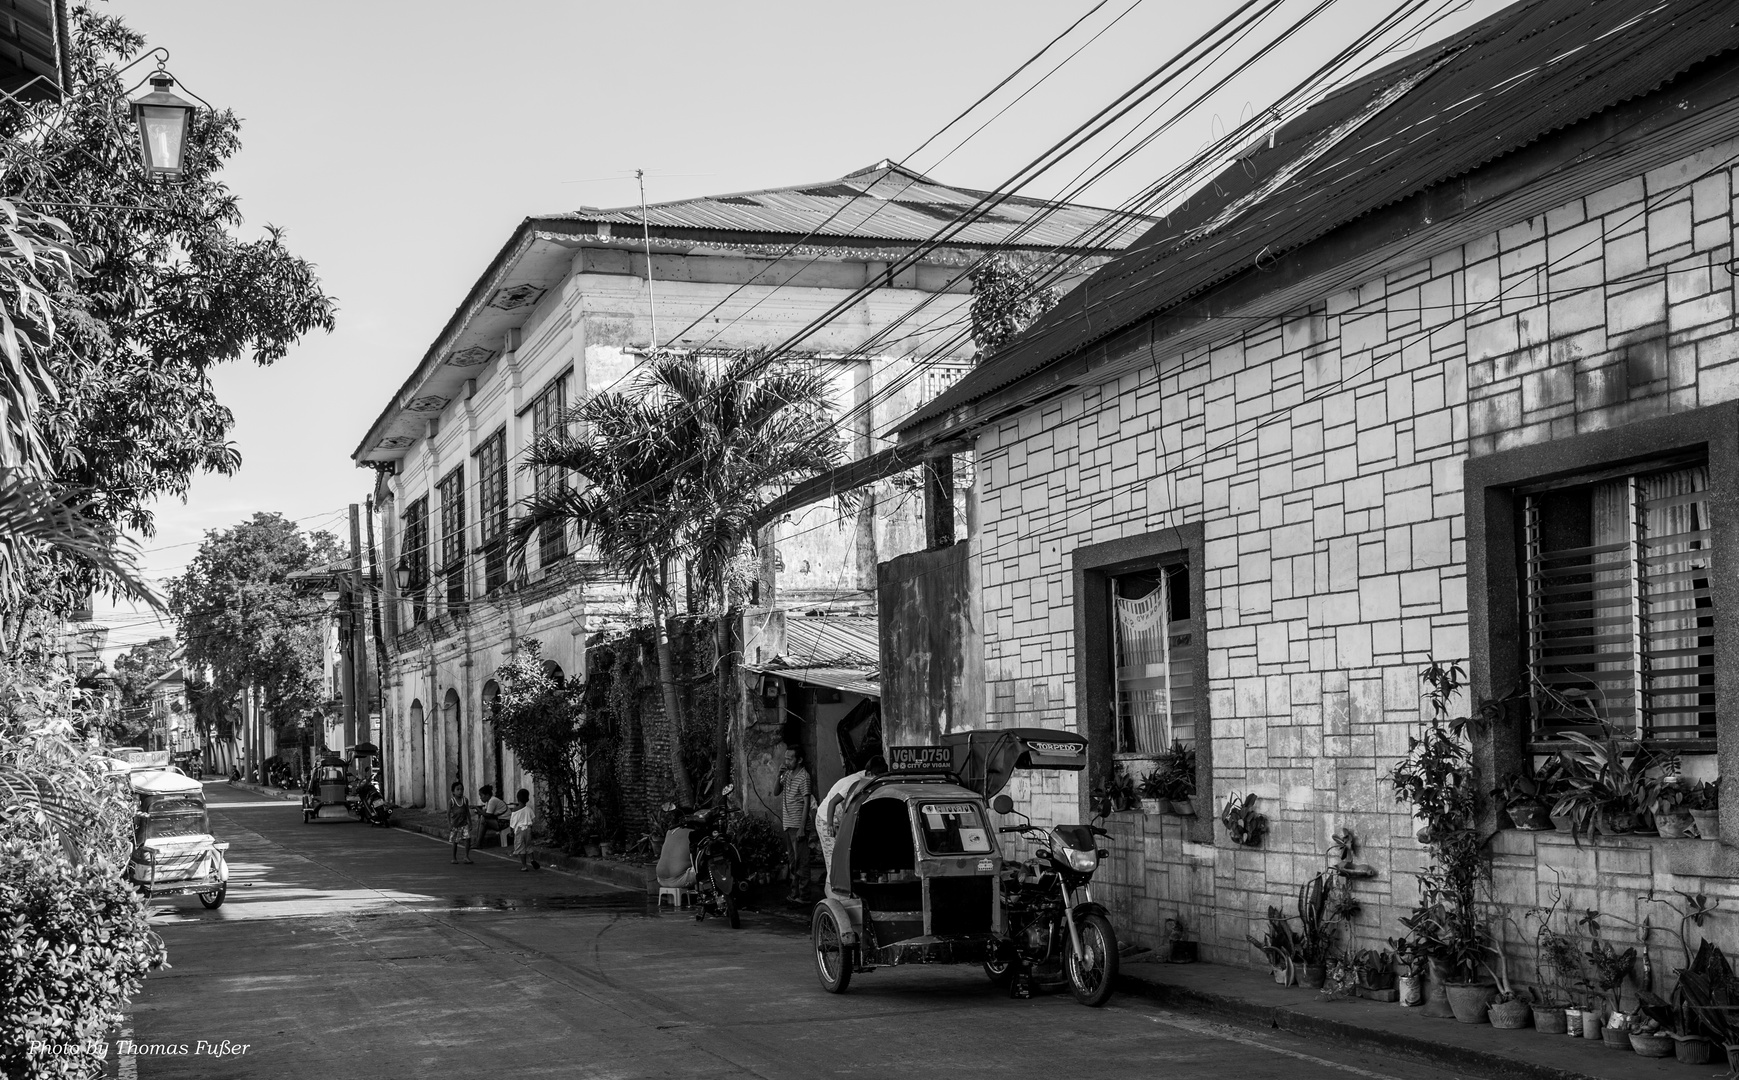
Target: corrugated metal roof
(1531, 69)
(820, 639)
(885, 202)
(851, 680)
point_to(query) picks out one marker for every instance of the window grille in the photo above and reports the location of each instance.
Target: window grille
(1159, 659)
(547, 410)
(492, 509)
(417, 558)
(452, 569)
(1620, 614)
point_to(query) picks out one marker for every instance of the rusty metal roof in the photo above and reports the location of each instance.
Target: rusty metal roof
(885, 202)
(1528, 70)
(34, 48)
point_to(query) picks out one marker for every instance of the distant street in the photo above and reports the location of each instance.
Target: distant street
(345, 951)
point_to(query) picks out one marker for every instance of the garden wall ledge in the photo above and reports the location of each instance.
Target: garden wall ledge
(1690, 858)
(1251, 999)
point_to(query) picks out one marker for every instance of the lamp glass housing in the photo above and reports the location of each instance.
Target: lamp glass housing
(163, 120)
(403, 573)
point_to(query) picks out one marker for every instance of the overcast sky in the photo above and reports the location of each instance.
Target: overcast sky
(400, 142)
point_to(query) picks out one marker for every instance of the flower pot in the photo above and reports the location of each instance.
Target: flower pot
(1591, 1023)
(1573, 1022)
(1508, 1015)
(1411, 992)
(1156, 806)
(1377, 980)
(1533, 817)
(592, 851)
(1436, 996)
(1692, 1049)
(1618, 822)
(1708, 823)
(606, 850)
(1185, 807)
(1312, 976)
(1283, 976)
(1673, 825)
(1468, 1001)
(1549, 1020)
(1651, 1046)
(1616, 1032)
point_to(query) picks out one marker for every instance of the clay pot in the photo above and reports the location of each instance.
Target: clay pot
(1591, 1023)
(1692, 1049)
(1618, 822)
(1411, 993)
(1507, 1015)
(1468, 1001)
(1532, 816)
(1156, 806)
(1186, 807)
(1708, 823)
(1573, 1022)
(1652, 1046)
(1548, 1019)
(1673, 825)
(1616, 1037)
(1312, 976)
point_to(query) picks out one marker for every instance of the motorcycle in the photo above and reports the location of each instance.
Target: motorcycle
(375, 809)
(718, 877)
(1056, 931)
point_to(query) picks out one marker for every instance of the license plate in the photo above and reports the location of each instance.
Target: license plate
(919, 758)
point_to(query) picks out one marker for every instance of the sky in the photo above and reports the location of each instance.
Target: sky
(400, 142)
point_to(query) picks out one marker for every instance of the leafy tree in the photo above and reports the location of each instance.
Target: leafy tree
(140, 666)
(677, 469)
(242, 616)
(165, 288)
(538, 716)
(1008, 293)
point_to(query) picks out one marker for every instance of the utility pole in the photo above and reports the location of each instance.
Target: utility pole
(379, 654)
(358, 630)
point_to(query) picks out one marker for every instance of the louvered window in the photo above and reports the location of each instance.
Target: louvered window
(491, 460)
(547, 411)
(1620, 614)
(1160, 658)
(452, 489)
(417, 558)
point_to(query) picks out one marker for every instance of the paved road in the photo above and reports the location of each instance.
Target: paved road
(345, 951)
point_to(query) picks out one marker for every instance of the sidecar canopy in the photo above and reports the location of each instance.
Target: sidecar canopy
(984, 760)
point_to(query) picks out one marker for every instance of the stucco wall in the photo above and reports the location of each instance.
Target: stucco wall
(1323, 454)
(932, 654)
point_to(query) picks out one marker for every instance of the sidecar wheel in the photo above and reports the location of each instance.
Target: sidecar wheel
(833, 958)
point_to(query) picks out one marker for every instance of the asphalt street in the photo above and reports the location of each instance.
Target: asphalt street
(347, 951)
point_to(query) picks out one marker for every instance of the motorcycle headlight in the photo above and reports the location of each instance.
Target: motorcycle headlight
(1082, 860)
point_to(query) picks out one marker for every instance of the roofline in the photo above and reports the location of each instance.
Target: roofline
(1678, 109)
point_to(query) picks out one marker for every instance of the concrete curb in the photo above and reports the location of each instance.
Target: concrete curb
(1498, 1060)
(270, 793)
(632, 875)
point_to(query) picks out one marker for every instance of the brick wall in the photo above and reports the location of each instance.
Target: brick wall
(1322, 453)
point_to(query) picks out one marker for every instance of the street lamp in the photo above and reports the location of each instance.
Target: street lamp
(163, 120)
(403, 573)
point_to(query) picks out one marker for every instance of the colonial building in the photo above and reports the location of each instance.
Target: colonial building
(567, 309)
(1445, 367)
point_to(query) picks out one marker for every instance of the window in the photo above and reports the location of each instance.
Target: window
(1618, 603)
(1141, 659)
(953, 829)
(547, 410)
(1157, 659)
(416, 556)
(452, 569)
(492, 509)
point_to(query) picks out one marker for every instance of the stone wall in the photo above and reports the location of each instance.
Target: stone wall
(1322, 453)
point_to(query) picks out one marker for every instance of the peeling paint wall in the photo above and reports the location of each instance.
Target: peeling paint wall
(932, 645)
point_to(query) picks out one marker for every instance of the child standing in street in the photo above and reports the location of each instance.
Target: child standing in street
(458, 820)
(521, 824)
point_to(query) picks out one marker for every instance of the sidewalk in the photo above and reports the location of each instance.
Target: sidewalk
(634, 875)
(1251, 998)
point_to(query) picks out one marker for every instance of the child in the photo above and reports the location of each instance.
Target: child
(521, 824)
(458, 820)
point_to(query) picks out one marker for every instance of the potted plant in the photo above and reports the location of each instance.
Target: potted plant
(1116, 793)
(1672, 815)
(1324, 904)
(1182, 950)
(1528, 801)
(1511, 1008)
(1411, 961)
(1244, 825)
(1608, 783)
(1178, 772)
(1608, 970)
(1704, 804)
(1706, 993)
(1152, 789)
(1280, 946)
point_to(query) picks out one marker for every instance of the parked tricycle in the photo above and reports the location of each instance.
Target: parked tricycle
(173, 849)
(330, 795)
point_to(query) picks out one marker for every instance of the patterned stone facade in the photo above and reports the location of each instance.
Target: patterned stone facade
(1323, 455)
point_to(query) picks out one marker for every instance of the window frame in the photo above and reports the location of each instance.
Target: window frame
(1094, 567)
(492, 508)
(453, 548)
(1493, 485)
(552, 539)
(416, 552)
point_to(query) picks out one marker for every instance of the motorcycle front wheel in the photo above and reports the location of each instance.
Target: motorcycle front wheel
(998, 971)
(1093, 969)
(724, 881)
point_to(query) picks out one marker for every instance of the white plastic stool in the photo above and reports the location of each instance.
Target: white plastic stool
(679, 898)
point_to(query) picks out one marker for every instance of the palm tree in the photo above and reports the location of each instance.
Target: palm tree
(677, 469)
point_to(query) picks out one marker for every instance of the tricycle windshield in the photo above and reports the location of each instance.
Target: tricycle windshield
(953, 828)
(188, 820)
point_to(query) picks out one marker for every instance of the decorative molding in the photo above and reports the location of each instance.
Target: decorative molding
(515, 297)
(470, 356)
(395, 442)
(432, 403)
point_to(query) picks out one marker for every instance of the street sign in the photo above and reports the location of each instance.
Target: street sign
(920, 759)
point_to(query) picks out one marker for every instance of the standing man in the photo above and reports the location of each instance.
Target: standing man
(798, 792)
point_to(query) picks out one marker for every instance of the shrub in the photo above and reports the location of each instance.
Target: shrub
(760, 842)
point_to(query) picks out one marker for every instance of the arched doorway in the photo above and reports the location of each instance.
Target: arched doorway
(492, 767)
(418, 763)
(453, 739)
